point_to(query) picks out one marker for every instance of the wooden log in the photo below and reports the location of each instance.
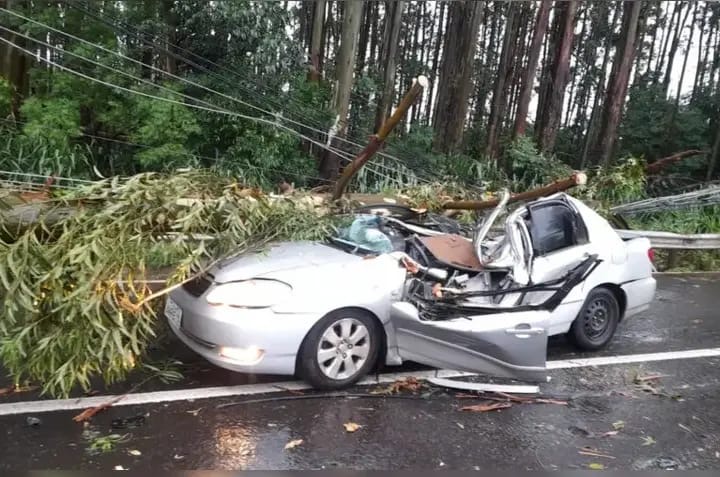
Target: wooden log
(377, 140)
(578, 178)
(660, 164)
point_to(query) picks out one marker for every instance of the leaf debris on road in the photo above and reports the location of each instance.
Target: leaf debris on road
(589, 451)
(648, 441)
(293, 444)
(595, 466)
(619, 425)
(351, 426)
(409, 384)
(487, 407)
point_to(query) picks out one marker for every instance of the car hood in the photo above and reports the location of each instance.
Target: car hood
(279, 257)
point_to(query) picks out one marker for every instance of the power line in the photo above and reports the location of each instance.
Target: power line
(118, 24)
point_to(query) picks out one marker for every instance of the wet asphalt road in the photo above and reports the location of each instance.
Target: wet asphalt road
(678, 427)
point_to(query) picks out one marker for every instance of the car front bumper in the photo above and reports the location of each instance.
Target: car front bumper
(206, 329)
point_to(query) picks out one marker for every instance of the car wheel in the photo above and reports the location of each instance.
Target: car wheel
(597, 321)
(340, 349)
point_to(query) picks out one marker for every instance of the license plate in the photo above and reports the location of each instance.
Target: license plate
(173, 313)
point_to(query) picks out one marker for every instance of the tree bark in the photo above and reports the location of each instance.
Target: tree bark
(316, 50)
(701, 59)
(393, 25)
(454, 86)
(171, 20)
(674, 47)
(352, 17)
(590, 135)
(619, 78)
(685, 62)
(363, 42)
(666, 40)
(714, 157)
(497, 107)
(528, 80)
(14, 64)
(552, 110)
(439, 35)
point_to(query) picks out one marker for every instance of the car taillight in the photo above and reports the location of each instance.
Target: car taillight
(651, 254)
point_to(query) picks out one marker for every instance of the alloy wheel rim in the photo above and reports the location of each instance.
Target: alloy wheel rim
(343, 349)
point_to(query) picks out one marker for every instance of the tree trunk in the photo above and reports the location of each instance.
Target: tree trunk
(393, 25)
(171, 20)
(374, 32)
(435, 62)
(528, 80)
(701, 59)
(685, 62)
(674, 47)
(714, 156)
(590, 135)
(547, 133)
(497, 107)
(666, 40)
(316, 39)
(14, 63)
(363, 42)
(619, 78)
(454, 85)
(352, 17)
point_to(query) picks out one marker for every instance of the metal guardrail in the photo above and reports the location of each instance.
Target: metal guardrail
(670, 240)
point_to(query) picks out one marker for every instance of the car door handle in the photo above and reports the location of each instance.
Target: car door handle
(525, 332)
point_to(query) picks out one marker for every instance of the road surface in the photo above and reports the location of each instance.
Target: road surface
(610, 420)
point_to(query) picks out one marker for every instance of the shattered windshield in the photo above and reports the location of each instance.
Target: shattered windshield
(368, 233)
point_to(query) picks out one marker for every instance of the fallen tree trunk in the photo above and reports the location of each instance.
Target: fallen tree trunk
(660, 164)
(377, 140)
(576, 179)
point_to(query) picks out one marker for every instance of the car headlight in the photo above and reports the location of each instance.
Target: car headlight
(257, 293)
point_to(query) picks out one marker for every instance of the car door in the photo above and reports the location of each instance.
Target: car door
(505, 344)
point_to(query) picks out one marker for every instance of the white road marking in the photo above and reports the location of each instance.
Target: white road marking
(34, 407)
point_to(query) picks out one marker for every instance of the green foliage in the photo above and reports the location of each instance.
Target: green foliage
(53, 121)
(6, 94)
(618, 184)
(530, 168)
(74, 293)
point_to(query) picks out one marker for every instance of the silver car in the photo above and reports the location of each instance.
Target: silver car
(385, 290)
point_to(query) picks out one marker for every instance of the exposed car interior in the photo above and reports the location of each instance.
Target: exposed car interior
(452, 274)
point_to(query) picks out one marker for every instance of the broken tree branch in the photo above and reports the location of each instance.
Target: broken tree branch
(660, 164)
(578, 178)
(377, 139)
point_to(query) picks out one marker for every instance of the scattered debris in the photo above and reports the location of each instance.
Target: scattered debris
(135, 452)
(589, 451)
(16, 389)
(194, 412)
(618, 425)
(293, 444)
(460, 425)
(609, 434)
(291, 391)
(595, 466)
(667, 463)
(105, 444)
(485, 387)
(178, 457)
(119, 467)
(648, 441)
(33, 421)
(487, 407)
(129, 422)
(351, 426)
(89, 413)
(650, 377)
(409, 384)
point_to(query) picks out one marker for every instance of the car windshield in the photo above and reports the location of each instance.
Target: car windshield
(366, 234)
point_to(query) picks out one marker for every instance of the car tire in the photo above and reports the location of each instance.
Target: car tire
(342, 339)
(597, 321)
